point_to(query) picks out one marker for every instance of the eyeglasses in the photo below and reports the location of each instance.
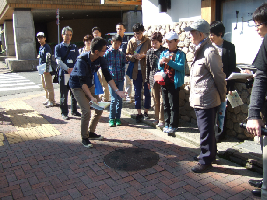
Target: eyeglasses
(137, 33)
(251, 23)
(257, 25)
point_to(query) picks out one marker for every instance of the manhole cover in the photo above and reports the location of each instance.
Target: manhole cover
(131, 159)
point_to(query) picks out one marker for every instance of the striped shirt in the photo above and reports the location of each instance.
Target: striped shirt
(116, 64)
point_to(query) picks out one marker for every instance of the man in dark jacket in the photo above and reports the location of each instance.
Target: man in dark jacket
(83, 88)
(258, 93)
(44, 56)
(66, 55)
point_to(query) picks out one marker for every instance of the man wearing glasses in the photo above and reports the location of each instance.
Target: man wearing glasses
(257, 97)
(83, 88)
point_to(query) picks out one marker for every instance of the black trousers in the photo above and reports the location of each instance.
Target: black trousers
(171, 105)
(205, 123)
(64, 90)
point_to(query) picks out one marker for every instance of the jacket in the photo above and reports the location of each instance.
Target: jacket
(61, 51)
(116, 64)
(152, 60)
(178, 65)
(229, 62)
(84, 70)
(207, 79)
(131, 47)
(43, 50)
(259, 89)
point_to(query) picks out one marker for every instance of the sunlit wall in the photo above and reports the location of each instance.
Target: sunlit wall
(181, 10)
(238, 31)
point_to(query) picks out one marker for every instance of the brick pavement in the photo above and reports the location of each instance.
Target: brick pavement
(59, 167)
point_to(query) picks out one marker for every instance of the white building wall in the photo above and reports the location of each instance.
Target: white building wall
(181, 10)
(245, 38)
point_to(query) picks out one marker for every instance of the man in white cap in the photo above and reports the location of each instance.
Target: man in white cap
(207, 91)
(45, 54)
(172, 62)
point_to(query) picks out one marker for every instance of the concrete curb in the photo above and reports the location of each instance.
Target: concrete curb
(229, 149)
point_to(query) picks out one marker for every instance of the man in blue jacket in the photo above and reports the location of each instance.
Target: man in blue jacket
(83, 88)
(44, 56)
(66, 55)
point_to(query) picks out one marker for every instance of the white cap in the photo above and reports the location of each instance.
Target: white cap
(40, 34)
(171, 36)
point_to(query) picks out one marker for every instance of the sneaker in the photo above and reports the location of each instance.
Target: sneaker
(255, 183)
(146, 115)
(86, 143)
(65, 117)
(139, 118)
(196, 158)
(46, 102)
(160, 124)
(129, 99)
(118, 122)
(155, 122)
(200, 168)
(172, 130)
(50, 104)
(165, 129)
(94, 136)
(77, 114)
(112, 122)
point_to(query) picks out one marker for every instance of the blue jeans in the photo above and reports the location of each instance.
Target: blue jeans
(116, 102)
(138, 83)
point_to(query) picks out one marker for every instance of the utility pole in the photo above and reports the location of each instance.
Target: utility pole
(57, 22)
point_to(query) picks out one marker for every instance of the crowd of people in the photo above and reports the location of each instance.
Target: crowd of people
(140, 59)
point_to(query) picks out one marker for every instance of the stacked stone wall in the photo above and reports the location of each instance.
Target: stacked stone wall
(187, 113)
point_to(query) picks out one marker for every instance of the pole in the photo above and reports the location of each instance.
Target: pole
(58, 28)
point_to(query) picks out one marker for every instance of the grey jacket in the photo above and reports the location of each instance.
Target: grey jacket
(207, 79)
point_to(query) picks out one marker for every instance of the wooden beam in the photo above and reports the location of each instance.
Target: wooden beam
(124, 2)
(208, 10)
(75, 7)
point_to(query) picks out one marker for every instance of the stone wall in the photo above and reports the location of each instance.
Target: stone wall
(236, 115)
(187, 113)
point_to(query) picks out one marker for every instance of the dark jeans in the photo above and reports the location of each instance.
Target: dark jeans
(205, 123)
(64, 89)
(138, 83)
(171, 105)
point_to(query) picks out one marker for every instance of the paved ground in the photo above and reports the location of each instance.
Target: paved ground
(41, 157)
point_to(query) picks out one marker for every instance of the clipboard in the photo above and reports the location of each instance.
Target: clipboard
(100, 106)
